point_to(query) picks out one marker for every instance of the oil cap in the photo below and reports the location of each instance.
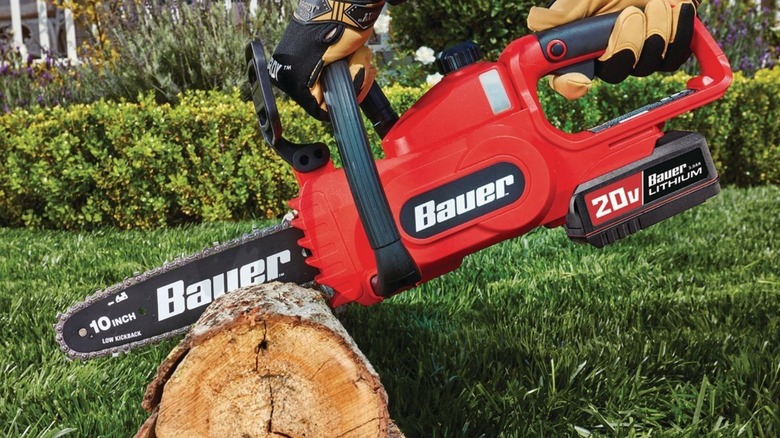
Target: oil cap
(457, 57)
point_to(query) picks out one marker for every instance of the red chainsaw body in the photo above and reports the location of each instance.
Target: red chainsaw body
(464, 170)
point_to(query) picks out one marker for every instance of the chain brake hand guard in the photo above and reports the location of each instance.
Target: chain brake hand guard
(303, 157)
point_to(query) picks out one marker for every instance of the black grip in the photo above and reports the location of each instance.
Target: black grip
(261, 92)
(578, 38)
(353, 146)
(395, 267)
(581, 37)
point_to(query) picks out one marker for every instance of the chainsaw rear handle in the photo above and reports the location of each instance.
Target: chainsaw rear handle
(576, 47)
(395, 268)
(572, 40)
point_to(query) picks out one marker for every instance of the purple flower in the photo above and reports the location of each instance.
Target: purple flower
(743, 32)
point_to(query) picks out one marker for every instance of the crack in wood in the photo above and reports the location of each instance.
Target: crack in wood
(260, 350)
(321, 367)
(262, 347)
(273, 407)
(271, 398)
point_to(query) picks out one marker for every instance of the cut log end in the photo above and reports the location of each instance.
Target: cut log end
(267, 361)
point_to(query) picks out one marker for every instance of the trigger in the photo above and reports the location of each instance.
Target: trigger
(587, 68)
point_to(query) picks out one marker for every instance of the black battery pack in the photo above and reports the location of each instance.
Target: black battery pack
(678, 175)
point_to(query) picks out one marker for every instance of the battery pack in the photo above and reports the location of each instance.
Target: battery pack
(678, 175)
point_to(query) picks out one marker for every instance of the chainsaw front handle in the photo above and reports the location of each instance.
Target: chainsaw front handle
(396, 270)
(576, 46)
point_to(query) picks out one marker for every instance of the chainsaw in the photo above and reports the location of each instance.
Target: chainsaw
(474, 162)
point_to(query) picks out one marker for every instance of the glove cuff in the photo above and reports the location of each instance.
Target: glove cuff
(359, 14)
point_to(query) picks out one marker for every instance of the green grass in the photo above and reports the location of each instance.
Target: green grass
(672, 332)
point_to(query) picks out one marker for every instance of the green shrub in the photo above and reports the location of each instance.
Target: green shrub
(741, 128)
(146, 165)
(138, 165)
(492, 24)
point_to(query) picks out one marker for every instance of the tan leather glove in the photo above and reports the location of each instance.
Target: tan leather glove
(320, 33)
(649, 36)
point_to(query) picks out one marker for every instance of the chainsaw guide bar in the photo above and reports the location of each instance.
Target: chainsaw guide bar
(108, 321)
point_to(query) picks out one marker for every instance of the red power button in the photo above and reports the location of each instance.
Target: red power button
(556, 50)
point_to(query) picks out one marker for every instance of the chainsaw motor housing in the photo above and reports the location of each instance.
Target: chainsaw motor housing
(475, 162)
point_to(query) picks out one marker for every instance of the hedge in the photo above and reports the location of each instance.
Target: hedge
(742, 128)
(137, 165)
(491, 23)
(144, 165)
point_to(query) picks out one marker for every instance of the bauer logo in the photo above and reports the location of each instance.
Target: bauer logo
(462, 200)
(675, 174)
(178, 297)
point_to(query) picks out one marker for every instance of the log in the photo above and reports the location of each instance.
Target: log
(267, 361)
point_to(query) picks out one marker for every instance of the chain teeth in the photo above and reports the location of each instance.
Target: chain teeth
(139, 278)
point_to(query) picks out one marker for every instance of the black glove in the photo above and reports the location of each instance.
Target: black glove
(322, 32)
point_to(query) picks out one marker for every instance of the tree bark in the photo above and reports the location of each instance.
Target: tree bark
(267, 361)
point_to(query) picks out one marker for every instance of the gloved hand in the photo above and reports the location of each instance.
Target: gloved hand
(654, 38)
(322, 32)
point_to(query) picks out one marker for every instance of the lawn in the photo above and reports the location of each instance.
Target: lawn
(672, 332)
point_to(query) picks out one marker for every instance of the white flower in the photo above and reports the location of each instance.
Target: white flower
(382, 25)
(434, 79)
(424, 54)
